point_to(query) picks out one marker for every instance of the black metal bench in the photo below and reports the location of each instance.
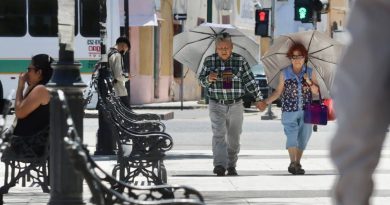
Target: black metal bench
(141, 148)
(126, 121)
(139, 153)
(107, 190)
(25, 159)
(103, 85)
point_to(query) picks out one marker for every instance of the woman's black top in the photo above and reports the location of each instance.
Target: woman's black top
(36, 121)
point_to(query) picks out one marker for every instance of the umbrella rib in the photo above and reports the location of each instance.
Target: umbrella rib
(322, 49)
(322, 59)
(323, 79)
(205, 33)
(203, 55)
(202, 39)
(311, 39)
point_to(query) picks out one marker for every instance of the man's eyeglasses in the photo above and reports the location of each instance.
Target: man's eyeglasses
(223, 49)
(297, 57)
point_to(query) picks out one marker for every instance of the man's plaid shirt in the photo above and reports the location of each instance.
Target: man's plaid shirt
(243, 78)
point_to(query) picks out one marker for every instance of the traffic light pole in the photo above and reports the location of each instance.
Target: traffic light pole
(269, 115)
(315, 19)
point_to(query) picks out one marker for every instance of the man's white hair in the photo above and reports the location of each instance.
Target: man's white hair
(223, 37)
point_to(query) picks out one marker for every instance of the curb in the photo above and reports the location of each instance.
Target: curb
(95, 114)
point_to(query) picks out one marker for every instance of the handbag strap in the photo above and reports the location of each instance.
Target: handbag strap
(319, 90)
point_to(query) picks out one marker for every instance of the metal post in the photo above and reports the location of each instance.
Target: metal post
(181, 88)
(315, 13)
(209, 20)
(66, 184)
(105, 143)
(127, 57)
(269, 115)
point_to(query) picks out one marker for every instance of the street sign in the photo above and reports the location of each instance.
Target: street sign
(180, 16)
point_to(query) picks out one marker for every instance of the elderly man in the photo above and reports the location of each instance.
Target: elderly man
(227, 76)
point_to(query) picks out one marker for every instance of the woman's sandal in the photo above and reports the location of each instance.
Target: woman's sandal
(296, 169)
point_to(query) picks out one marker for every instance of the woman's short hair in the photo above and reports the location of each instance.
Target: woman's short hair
(43, 62)
(297, 47)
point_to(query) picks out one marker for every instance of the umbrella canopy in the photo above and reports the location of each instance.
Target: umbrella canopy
(323, 56)
(191, 47)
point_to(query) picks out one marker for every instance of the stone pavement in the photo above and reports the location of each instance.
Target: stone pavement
(263, 178)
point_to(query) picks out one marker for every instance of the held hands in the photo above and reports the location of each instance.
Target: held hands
(212, 77)
(261, 105)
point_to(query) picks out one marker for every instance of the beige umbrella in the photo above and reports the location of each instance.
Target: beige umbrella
(324, 53)
(191, 47)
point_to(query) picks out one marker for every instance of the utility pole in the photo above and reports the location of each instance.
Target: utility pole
(126, 58)
(269, 115)
(209, 20)
(66, 184)
(105, 143)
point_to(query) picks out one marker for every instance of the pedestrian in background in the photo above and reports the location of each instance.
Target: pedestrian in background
(227, 76)
(296, 85)
(116, 65)
(361, 98)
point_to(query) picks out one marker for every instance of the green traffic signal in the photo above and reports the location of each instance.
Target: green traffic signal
(302, 13)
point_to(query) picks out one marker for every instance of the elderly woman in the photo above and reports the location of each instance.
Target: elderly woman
(296, 86)
(32, 106)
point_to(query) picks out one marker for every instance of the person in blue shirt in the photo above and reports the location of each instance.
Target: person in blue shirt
(296, 86)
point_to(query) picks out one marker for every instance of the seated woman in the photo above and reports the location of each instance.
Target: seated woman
(32, 106)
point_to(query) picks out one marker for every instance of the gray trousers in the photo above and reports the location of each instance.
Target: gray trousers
(226, 124)
(362, 96)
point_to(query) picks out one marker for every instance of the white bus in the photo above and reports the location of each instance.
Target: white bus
(29, 27)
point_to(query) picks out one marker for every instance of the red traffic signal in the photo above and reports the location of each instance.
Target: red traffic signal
(262, 16)
(262, 22)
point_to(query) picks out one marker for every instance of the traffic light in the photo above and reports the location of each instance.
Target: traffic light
(262, 22)
(303, 11)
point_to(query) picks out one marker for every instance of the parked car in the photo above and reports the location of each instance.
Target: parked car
(261, 79)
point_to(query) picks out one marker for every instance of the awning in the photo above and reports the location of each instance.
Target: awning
(141, 13)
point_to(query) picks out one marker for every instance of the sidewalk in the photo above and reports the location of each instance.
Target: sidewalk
(162, 109)
(263, 179)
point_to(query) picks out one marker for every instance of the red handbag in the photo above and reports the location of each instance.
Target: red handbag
(331, 114)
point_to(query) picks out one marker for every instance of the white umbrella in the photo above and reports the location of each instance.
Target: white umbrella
(324, 53)
(191, 47)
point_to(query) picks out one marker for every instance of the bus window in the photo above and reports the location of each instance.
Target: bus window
(89, 18)
(12, 17)
(42, 18)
